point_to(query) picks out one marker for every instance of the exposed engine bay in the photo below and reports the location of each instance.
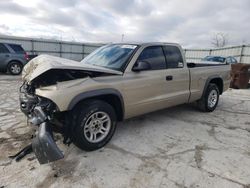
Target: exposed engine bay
(54, 76)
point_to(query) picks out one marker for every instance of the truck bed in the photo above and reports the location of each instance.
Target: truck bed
(200, 73)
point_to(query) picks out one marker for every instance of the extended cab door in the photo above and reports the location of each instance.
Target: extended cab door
(176, 86)
(143, 91)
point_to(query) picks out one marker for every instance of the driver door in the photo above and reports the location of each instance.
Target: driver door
(144, 90)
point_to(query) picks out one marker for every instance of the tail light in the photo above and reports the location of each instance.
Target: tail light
(26, 56)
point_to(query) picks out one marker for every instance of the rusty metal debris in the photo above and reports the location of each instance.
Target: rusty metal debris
(240, 74)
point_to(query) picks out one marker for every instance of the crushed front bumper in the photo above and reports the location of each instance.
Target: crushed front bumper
(44, 145)
(39, 110)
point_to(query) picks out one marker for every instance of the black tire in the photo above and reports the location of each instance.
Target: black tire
(81, 115)
(204, 104)
(15, 68)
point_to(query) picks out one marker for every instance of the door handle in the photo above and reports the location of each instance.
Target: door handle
(170, 77)
(7, 55)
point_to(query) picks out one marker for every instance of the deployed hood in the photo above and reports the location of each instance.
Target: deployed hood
(44, 63)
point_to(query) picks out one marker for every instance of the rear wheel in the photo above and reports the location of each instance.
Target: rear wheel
(210, 99)
(15, 68)
(94, 124)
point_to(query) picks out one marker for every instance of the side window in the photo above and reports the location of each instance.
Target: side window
(17, 48)
(3, 49)
(154, 56)
(173, 56)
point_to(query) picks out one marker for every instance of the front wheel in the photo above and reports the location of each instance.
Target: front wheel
(210, 99)
(94, 124)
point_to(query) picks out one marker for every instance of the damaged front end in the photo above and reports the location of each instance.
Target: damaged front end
(47, 85)
(41, 112)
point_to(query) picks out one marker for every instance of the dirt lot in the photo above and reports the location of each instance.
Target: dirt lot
(176, 147)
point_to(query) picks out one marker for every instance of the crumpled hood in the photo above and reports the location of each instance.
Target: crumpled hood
(43, 63)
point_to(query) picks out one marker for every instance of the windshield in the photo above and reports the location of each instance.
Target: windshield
(113, 56)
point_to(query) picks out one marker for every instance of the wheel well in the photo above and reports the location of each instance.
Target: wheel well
(219, 83)
(111, 99)
(15, 61)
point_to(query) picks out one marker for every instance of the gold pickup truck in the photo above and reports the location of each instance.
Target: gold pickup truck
(84, 100)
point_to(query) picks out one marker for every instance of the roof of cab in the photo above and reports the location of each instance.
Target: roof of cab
(147, 43)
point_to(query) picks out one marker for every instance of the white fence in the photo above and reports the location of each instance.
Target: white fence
(241, 53)
(71, 50)
(77, 51)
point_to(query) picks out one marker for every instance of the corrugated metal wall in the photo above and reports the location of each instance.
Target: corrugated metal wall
(71, 50)
(77, 51)
(241, 53)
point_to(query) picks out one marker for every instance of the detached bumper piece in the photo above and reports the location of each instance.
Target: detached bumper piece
(44, 145)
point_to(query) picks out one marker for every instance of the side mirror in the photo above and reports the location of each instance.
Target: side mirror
(141, 66)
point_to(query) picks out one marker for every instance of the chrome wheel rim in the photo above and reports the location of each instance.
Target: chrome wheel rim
(97, 127)
(212, 98)
(15, 68)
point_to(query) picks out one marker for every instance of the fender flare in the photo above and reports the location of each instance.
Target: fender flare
(96, 93)
(209, 80)
(15, 60)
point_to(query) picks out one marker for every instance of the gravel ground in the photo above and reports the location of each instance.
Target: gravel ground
(176, 147)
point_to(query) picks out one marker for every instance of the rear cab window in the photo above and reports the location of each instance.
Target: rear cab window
(3, 49)
(154, 56)
(173, 57)
(17, 48)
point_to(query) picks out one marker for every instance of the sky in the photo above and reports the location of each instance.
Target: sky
(192, 23)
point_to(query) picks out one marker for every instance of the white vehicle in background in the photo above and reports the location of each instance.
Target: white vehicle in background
(219, 59)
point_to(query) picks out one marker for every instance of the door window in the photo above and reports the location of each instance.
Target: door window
(173, 57)
(154, 56)
(17, 48)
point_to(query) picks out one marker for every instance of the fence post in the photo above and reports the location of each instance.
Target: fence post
(83, 46)
(60, 43)
(241, 53)
(32, 47)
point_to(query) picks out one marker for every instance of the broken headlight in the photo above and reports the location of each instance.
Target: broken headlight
(42, 111)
